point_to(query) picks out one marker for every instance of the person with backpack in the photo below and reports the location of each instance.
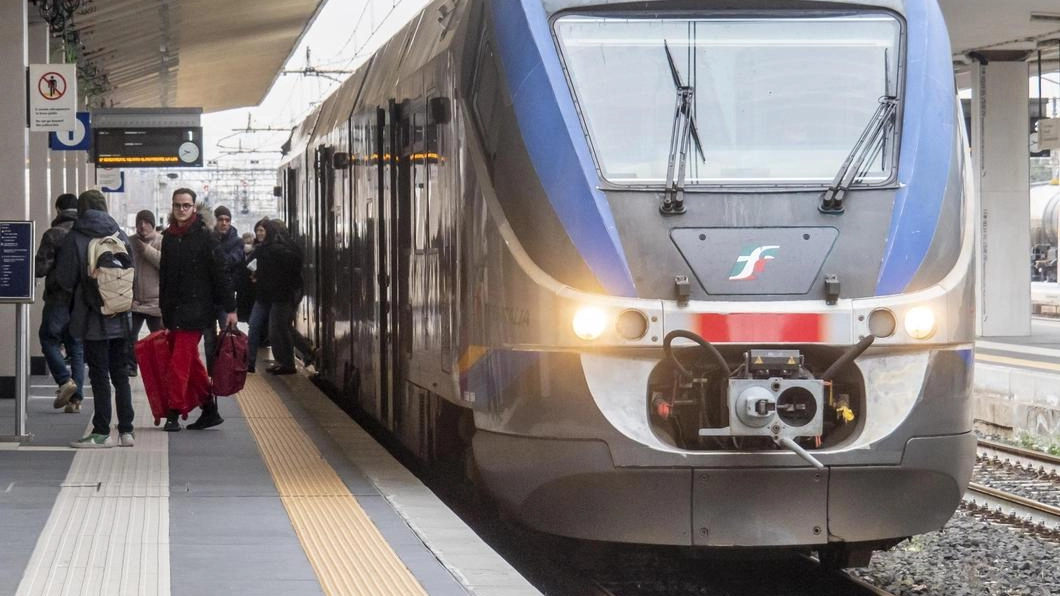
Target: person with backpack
(54, 330)
(192, 287)
(95, 266)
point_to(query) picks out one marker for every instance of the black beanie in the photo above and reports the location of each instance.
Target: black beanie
(222, 210)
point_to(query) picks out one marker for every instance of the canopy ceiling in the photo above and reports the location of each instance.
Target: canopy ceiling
(213, 54)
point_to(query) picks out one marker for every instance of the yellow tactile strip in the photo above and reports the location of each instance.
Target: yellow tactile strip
(346, 550)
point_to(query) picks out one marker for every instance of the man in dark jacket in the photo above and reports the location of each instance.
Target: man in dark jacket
(229, 251)
(55, 318)
(104, 337)
(192, 287)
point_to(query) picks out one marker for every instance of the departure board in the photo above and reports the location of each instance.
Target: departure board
(16, 261)
(174, 147)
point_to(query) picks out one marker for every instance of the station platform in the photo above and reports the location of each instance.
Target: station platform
(288, 496)
(1017, 382)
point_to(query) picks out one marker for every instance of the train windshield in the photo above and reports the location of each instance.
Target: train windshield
(766, 100)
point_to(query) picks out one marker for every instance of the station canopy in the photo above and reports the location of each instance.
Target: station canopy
(179, 53)
(1008, 30)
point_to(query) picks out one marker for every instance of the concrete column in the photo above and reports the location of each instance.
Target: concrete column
(57, 172)
(41, 198)
(1000, 150)
(13, 139)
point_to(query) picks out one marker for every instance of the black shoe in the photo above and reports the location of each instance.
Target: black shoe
(272, 368)
(283, 370)
(171, 425)
(250, 368)
(207, 419)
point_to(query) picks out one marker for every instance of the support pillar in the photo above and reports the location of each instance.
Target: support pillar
(41, 198)
(13, 138)
(1000, 151)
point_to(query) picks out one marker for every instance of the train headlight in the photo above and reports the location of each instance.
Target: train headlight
(920, 322)
(589, 323)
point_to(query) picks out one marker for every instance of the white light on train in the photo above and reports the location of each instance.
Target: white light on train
(589, 323)
(920, 322)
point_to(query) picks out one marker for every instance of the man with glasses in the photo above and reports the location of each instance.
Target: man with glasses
(192, 287)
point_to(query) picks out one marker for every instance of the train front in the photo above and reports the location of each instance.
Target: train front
(773, 203)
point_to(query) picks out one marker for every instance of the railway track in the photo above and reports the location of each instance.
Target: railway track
(1018, 486)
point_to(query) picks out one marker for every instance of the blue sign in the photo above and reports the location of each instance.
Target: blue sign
(16, 261)
(78, 139)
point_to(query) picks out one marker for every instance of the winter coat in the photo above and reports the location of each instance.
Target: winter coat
(279, 274)
(148, 256)
(192, 282)
(47, 251)
(87, 323)
(230, 251)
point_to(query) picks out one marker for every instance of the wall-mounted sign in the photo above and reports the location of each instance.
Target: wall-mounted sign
(52, 90)
(110, 179)
(77, 139)
(16, 261)
(1049, 134)
(174, 147)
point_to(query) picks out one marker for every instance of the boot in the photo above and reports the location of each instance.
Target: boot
(209, 417)
(171, 422)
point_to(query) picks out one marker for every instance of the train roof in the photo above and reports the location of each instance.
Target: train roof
(426, 35)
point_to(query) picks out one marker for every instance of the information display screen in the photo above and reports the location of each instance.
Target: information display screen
(174, 147)
(16, 261)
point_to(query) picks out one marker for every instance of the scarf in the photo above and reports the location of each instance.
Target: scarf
(179, 230)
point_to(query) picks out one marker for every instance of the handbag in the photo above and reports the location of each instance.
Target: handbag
(230, 362)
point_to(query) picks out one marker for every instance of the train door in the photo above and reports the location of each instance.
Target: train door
(383, 144)
(324, 331)
(404, 116)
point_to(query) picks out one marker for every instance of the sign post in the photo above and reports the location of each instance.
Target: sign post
(16, 287)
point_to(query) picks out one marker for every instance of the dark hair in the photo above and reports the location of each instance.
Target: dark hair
(222, 211)
(145, 215)
(65, 201)
(91, 200)
(185, 191)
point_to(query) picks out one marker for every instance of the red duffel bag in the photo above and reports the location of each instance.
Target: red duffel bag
(153, 355)
(230, 362)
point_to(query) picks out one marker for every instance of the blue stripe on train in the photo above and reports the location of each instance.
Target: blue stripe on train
(553, 137)
(927, 147)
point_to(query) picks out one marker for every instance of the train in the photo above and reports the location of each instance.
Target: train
(670, 273)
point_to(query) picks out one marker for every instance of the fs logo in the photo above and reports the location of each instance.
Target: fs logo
(752, 262)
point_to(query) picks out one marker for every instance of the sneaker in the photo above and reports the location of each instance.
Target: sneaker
(74, 407)
(127, 439)
(93, 441)
(171, 425)
(64, 393)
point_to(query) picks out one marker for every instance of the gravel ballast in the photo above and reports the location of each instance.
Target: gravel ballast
(968, 557)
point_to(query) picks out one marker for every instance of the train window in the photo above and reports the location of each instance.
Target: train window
(775, 100)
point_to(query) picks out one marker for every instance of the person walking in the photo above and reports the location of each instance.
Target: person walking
(54, 333)
(192, 285)
(279, 282)
(147, 250)
(104, 337)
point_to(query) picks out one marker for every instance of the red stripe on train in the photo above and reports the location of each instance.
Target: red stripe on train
(762, 327)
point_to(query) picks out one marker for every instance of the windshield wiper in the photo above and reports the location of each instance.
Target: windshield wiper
(832, 199)
(683, 128)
